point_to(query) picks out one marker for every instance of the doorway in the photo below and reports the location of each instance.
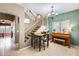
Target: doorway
(7, 35)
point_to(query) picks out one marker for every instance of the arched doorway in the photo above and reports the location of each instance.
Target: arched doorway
(7, 33)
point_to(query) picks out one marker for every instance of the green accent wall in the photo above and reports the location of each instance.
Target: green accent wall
(73, 16)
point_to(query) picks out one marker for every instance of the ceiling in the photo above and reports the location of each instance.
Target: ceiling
(45, 8)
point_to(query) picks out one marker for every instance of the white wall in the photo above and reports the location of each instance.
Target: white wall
(44, 20)
(18, 11)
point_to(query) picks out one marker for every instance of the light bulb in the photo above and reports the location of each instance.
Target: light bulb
(49, 14)
(56, 13)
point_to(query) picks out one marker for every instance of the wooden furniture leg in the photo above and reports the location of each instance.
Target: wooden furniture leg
(34, 44)
(44, 45)
(39, 44)
(31, 42)
(68, 43)
(47, 41)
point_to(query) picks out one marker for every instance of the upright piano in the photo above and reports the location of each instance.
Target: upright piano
(66, 37)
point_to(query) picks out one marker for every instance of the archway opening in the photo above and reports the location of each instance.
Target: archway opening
(7, 32)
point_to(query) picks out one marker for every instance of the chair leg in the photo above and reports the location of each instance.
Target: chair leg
(34, 44)
(47, 43)
(65, 43)
(44, 45)
(39, 44)
(31, 42)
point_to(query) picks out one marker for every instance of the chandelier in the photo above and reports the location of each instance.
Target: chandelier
(52, 12)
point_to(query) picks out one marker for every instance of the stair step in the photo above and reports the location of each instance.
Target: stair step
(25, 40)
(37, 26)
(27, 37)
(34, 31)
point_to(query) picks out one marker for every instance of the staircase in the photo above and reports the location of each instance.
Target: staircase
(32, 27)
(28, 36)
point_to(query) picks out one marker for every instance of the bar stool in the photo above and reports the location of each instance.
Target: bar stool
(37, 41)
(34, 40)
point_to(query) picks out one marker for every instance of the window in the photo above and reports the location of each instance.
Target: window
(26, 20)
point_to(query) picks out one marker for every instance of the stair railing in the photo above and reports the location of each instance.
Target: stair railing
(33, 25)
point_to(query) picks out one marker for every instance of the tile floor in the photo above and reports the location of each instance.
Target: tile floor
(53, 50)
(7, 49)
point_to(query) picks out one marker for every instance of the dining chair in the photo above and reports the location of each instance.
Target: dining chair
(45, 40)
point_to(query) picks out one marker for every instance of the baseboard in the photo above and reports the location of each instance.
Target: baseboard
(24, 48)
(74, 46)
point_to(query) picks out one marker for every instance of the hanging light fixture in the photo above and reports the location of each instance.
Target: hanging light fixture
(3, 21)
(52, 13)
